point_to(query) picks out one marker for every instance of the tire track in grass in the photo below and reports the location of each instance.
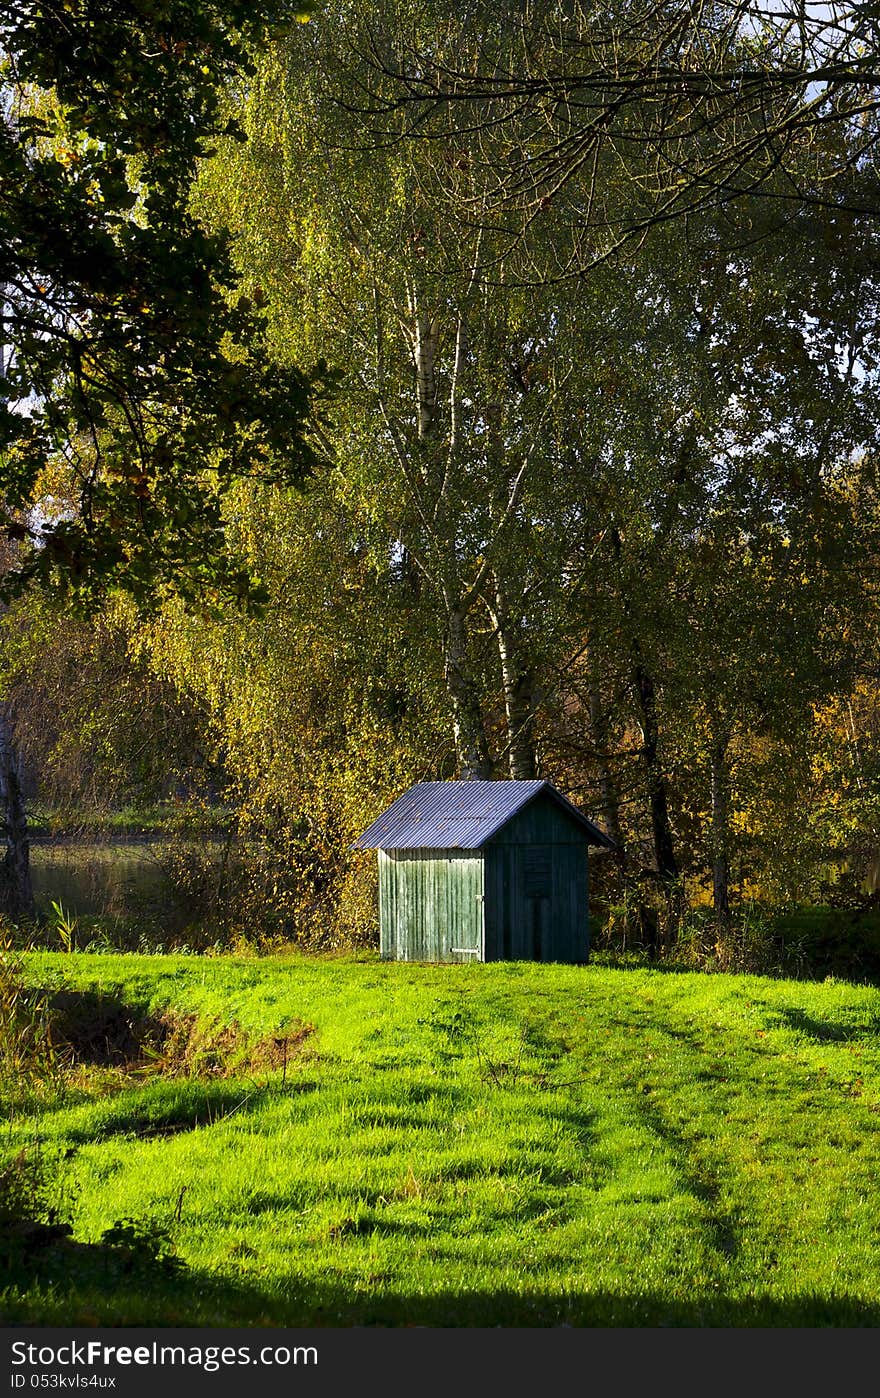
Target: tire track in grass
(687, 1082)
(700, 1179)
(751, 1103)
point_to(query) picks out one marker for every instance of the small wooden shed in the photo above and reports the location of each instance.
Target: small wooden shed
(483, 871)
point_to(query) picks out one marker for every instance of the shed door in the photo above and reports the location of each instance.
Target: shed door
(537, 886)
(465, 924)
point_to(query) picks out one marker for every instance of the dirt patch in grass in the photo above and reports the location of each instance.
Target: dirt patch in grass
(206, 1048)
(91, 1029)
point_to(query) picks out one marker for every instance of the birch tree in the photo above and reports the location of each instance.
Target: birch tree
(749, 389)
(699, 107)
(449, 383)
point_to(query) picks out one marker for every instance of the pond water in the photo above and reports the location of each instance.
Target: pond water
(132, 882)
(129, 880)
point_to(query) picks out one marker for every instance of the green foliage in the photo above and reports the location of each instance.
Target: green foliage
(643, 489)
(138, 1243)
(148, 384)
(96, 726)
(64, 925)
(35, 1206)
(687, 507)
(36, 1203)
(323, 709)
(31, 1062)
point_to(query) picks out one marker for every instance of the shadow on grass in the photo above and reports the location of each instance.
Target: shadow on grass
(846, 967)
(823, 1031)
(99, 1029)
(70, 1283)
(169, 1109)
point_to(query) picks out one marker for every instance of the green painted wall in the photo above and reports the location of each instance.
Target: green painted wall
(537, 886)
(431, 905)
(542, 822)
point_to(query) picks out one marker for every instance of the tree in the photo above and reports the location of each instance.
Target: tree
(712, 565)
(443, 423)
(324, 706)
(136, 384)
(697, 106)
(96, 725)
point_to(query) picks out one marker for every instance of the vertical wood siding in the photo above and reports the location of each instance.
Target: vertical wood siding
(523, 926)
(431, 905)
(537, 888)
(542, 822)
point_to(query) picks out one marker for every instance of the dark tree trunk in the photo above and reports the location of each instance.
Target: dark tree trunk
(607, 786)
(649, 930)
(661, 830)
(472, 749)
(16, 893)
(720, 790)
(410, 577)
(643, 690)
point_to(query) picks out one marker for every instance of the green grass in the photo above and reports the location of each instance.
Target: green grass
(473, 1145)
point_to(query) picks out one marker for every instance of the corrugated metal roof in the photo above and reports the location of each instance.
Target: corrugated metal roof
(461, 815)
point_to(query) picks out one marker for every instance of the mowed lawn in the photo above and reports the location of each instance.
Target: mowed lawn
(468, 1145)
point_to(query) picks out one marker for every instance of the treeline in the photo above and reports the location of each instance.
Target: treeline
(593, 492)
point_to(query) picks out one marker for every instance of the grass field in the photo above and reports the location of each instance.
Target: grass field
(464, 1145)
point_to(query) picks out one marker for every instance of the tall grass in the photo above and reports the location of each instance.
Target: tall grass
(32, 1063)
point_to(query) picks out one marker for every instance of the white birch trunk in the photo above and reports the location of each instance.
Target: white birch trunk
(472, 749)
(517, 685)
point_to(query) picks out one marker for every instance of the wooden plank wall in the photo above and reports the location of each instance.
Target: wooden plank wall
(430, 901)
(537, 888)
